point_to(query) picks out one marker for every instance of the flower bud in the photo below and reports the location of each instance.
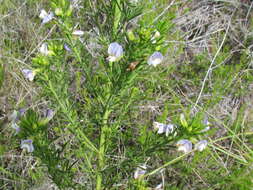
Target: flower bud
(130, 35)
(78, 32)
(58, 12)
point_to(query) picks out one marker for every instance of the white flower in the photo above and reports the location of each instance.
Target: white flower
(46, 17)
(78, 32)
(27, 144)
(115, 52)
(159, 187)
(155, 59)
(163, 128)
(43, 14)
(201, 145)
(28, 74)
(44, 50)
(140, 171)
(184, 145)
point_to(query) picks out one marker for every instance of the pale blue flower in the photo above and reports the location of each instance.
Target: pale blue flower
(184, 146)
(170, 128)
(67, 48)
(15, 116)
(49, 114)
(140, 171)
(207, 124)
(164, 128)
(14, 119)
(115, 52)
(46, 17)
(155, 59)
(22, 111)
(27, 145)
(201, 145)
(28, 74)
(15, 126)
(160, 127)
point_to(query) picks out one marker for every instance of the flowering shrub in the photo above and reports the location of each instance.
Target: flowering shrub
(88, 117)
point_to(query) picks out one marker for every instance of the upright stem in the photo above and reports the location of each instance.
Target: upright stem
(117, 16)
(74, 129)
(102, 147)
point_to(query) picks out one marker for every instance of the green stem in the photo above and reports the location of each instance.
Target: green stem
(167, 164)
(117, 16)
(82, 138)
(102, 148)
